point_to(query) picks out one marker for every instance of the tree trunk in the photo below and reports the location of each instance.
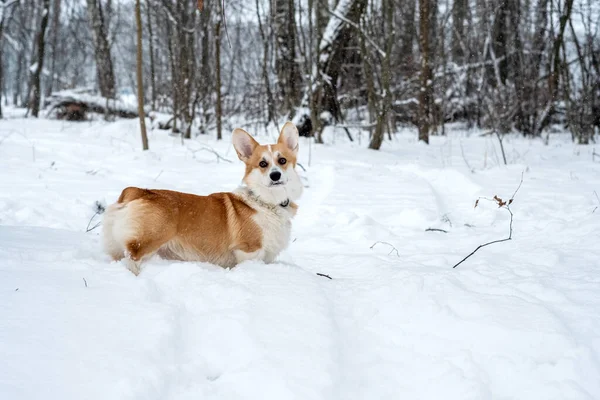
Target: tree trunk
(558, 42)
(382, 122)
(41, 48)
(1, 55)
(426, 75)
(36, 16)
(555, 70)
(459, 16)
(205, 80)
(151, 49)
(3, 13)
(331, 57)
(287, 68)
(265, 66)
(140, 78)
(219, 105)
(55, 32)
(186, 63)
(104, 65)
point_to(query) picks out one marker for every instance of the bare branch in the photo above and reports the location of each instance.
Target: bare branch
(389, 244)
(502, 204)
(435, 230)
(99, 210)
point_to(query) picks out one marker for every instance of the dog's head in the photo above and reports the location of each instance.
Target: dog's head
(270, 169)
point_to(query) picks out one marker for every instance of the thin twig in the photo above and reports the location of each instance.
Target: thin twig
(435, 230)
(518, 187)
(446, 218)
(324, 275)
(85, 282)
(502, 204)
(159, 174)
(594, 155)
(389, 244)
(88, 229)
(598, 198)
(99, 210)
(487, 244)
(301, 166)
(210, 150)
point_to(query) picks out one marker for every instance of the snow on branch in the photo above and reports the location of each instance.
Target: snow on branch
(334, 26)
(83, 102)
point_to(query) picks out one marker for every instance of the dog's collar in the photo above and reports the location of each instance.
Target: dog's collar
(256, 198)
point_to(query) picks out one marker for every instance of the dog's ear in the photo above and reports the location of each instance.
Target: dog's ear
(289, 137)
(243, 143)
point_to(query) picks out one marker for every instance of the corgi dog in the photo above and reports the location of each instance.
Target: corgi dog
(250, 223)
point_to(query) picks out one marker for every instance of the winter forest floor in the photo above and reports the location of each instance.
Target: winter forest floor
(518, 320)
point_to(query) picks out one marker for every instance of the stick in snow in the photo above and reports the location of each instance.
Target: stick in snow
(435, 230)
(323, 275)
(501, 204)
(99, 210)
(389, 244)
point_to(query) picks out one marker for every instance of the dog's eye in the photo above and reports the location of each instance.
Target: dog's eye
(263, 164)
(282, 161)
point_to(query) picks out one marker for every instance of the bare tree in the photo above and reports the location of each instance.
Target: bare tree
(219, 105)
(286, 64)
(56, 8)
(104, 63)
(140, 77)
(152, 55)
(41, 51)
(331, 56)
(426, 78)
(382, 107)
(5, 8)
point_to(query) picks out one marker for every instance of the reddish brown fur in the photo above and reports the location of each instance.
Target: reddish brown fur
(211, 226)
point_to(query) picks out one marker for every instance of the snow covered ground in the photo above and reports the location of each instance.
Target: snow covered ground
(518, 320)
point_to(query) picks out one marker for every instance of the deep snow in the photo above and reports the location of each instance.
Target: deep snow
(518, 320)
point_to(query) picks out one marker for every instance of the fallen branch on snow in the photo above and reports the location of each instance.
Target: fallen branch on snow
(325, 276)
(389, 244)
(501, 204)
(73, 105)
(435, 230)
(598, 198)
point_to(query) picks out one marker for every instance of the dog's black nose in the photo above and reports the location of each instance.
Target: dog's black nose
(275, 176)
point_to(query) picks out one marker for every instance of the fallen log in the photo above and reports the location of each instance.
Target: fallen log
(74, 105)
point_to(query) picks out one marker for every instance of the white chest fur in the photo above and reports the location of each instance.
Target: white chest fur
(275, 223)
(276, 226)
